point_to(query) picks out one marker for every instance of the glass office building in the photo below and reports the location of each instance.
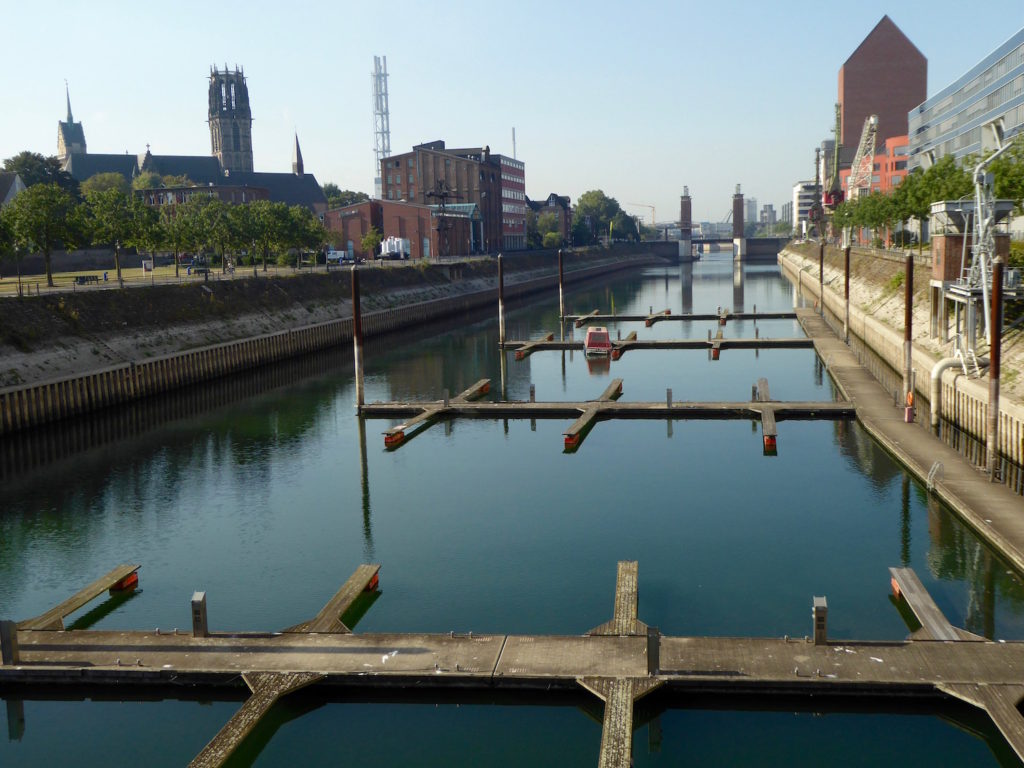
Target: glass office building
(951, 121)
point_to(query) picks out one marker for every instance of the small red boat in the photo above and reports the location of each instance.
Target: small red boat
(597, 342)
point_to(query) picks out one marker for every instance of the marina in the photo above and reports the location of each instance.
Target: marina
(482, 535)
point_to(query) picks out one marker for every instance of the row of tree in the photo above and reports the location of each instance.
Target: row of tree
(46, 217)
(944, 180)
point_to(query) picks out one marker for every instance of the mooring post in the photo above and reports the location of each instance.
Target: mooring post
(446, 397)
(821, 278)
(995, 351)
(357, 337)
(653, 651)
(820, 613)
(533, 393)
(200, 627)
(561, 292)
(846, 294)
(908, 328)
(668, 398)
(501, 301)
(9, 643)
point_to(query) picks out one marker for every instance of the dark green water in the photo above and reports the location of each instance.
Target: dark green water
(269, 499)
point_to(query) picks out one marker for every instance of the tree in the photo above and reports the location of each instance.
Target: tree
(946, 180)
(597, 210)
(112, 222)
(147, 180)
(371, 242)
(7, 249)
(1008, 170)
(176, 181)
(100, 182)
(174, 231)
(338, 198)
(43, 216)
(533, 237)
(271, 223)
(216, 220)
(552, 239)
(34, 169)
(307, 232)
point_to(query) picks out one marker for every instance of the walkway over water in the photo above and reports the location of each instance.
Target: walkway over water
(619, 661)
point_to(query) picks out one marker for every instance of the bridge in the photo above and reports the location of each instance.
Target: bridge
(743, 249)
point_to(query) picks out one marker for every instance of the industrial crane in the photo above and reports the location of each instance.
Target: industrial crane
(654, 220)
(833, 194)
(859, 181)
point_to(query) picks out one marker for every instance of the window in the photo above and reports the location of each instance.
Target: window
(410, 178)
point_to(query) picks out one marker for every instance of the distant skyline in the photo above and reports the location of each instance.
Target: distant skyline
(638, 104)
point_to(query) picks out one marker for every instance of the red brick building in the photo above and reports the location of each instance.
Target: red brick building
(495, 184)
(886, 76)
(558, 205)
(431, 233)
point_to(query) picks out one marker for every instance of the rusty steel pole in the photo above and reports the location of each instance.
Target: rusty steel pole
(501, 302)
(561, 292)
(908, 328)
(357, 337)
(994, 354)
(821, 277)
(846, 295)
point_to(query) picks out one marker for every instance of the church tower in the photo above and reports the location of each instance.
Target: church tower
(230, 119)
(70, 135)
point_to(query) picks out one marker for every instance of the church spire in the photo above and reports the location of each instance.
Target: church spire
(68, 94)
(297, 158)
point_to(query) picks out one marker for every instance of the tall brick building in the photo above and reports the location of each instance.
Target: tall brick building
(494, 183)
(886, 76)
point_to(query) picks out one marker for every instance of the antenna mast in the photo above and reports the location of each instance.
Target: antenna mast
(381, 120)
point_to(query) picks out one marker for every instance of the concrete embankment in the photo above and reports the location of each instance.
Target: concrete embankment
(32, 404)
(877, 321)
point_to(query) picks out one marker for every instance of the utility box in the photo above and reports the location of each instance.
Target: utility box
(820, 613)
(9, 643)
(200, 628)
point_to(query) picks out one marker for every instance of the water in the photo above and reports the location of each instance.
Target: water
(264, 492)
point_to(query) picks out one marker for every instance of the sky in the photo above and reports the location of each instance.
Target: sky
(636, 99)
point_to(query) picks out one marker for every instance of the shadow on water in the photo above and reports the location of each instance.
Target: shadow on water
(651, 713)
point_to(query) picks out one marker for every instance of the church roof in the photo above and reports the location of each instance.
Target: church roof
(8, 180)
(290, 188)
(202, 169)
(71, 133)
(82, 166)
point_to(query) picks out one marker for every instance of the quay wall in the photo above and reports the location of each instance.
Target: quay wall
(964, 400)
(24, 407)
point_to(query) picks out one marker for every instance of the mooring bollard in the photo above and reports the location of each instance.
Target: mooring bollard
(9, 643)
(200, 628)
(820, 614)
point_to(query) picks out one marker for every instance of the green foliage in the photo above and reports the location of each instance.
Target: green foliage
(371, 242)
(552, 239)
(34, 169)
(895, 282)
(177, 181)
(101, 182)
(1008, 170)
(533, 237)
(43, 216)
(338, 198)
(597, 215)
(147, 180)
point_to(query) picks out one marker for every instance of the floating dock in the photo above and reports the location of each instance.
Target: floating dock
(589, 412)
(631, 342)
(666, 316)
(618, 661)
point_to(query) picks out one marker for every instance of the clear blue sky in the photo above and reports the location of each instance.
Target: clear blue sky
(637, 99)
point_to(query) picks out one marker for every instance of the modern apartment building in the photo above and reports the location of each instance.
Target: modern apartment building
(951, 122)
(804, 195)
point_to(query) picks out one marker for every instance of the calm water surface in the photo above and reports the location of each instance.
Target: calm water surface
(271, 498)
